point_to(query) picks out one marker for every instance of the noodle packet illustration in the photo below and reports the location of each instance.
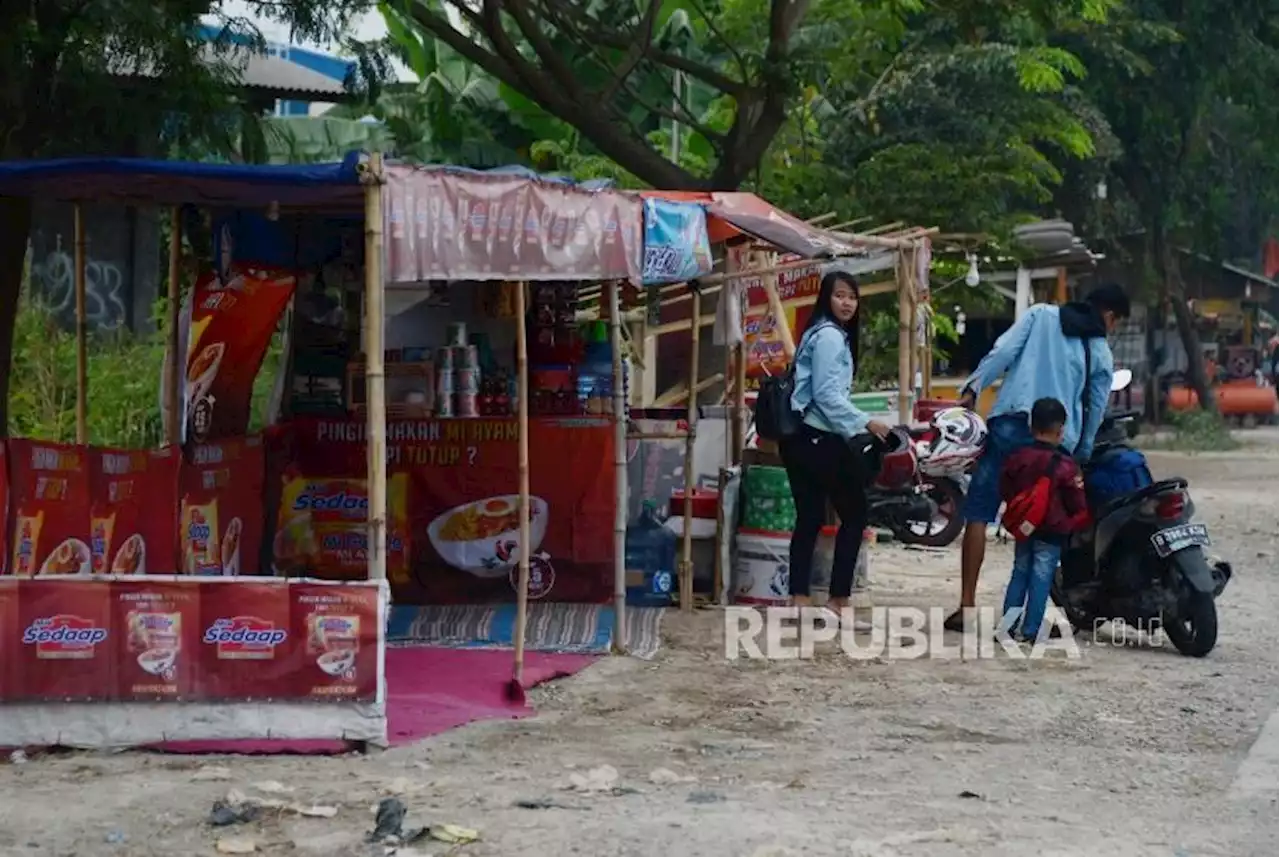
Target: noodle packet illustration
(201, 551)
(26, 543)
(100, 531)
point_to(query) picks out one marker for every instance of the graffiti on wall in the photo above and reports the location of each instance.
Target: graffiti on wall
(104, 287)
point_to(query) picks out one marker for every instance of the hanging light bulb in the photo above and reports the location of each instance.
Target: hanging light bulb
(972, 278)
(960, 320)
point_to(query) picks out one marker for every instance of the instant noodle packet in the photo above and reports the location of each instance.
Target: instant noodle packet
(322, 527)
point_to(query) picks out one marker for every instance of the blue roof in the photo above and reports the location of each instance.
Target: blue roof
(140, 182)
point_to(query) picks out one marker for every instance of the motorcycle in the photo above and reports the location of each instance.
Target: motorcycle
(917, 496)
(1143, 560)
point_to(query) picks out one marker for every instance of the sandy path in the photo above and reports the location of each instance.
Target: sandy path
(1126, 750)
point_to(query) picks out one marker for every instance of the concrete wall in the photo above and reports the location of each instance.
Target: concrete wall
(122, 274)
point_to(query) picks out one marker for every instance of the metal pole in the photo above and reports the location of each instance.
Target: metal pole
(686, 553)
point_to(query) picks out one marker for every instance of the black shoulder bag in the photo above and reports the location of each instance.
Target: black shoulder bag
(774, 417)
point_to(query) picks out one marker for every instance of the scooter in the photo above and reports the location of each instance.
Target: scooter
(1143, 561)
(919, 506)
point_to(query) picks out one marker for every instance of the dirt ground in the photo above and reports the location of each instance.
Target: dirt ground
(1134, 750)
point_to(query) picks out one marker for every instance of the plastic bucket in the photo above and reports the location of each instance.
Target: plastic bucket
(762, 570)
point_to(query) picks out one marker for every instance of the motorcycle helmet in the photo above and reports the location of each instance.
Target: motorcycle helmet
(897, 460)
(961, 434)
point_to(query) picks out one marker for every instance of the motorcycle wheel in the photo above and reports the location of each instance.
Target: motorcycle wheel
(944, 528)
(1079, 619)
(1194, 632)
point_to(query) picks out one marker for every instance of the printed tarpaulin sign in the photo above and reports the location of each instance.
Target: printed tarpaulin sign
(675, 242)
(455, 225)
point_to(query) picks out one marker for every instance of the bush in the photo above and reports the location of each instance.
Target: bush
(1200, 431)
(124, 374)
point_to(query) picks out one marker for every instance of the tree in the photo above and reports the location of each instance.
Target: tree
(1189, 88)
(611, 70)
(105, 77)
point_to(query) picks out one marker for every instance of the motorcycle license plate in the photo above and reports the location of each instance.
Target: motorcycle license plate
(1174, 539)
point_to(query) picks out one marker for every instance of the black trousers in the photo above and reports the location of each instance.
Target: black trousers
(821, 467)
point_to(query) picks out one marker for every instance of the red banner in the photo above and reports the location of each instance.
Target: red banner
(763, 345)
(448, 225)
(220, 518)
(161, 639)
(133, 516)
(453, 530)
(230, 329)
(49, 496)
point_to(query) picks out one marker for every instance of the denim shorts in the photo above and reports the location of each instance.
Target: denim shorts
(1005, 434)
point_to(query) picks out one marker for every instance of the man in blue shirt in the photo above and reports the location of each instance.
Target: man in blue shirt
(1041, 357)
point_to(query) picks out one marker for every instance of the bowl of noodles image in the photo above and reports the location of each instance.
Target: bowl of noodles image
(70, 557)
(483, 537)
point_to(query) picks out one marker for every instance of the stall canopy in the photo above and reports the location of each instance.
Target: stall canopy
(456, 224)
(140, 182)
(730, 214)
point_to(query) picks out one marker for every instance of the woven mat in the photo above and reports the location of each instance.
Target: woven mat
(581, 628)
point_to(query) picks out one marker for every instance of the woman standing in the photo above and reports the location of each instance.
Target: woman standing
(820, 463)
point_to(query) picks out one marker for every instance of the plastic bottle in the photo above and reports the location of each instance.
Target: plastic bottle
(595, 373)
(650, 560)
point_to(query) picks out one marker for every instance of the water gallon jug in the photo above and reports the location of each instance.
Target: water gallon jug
(595, 378)
(650, 560)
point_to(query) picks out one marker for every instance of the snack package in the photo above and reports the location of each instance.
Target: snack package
(133, 510)
(49, 485)
(230, 329)
(220, 517)
(322, 527)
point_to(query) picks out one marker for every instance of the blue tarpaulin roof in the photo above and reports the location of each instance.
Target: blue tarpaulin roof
(134, 181)
(142, 182)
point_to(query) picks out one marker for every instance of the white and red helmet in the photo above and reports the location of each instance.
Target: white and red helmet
(961, 434)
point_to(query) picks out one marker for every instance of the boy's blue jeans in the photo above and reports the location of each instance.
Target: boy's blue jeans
(1034, 563)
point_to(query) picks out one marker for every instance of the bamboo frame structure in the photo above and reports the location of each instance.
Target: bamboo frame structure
(173, 377)
(686, 548)
(522, 422)
(620, 473)
(906, 323)
(82, 331)
(375, 372)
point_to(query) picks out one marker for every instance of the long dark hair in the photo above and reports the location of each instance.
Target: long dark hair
(822, 309)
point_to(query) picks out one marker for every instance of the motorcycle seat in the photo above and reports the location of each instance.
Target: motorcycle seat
(1152, 490)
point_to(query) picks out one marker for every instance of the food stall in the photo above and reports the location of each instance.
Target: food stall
(497, 482)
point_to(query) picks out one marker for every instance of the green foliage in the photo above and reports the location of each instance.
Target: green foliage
(1197, 431)
(124, 375)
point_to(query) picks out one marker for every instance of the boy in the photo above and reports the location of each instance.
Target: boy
(1036, 559)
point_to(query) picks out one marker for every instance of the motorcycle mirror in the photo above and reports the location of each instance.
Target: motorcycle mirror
(1120, 379)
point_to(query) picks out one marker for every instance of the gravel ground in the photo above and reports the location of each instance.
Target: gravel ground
(1131, 748)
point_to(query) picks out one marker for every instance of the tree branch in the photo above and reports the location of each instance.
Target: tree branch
(635, 53)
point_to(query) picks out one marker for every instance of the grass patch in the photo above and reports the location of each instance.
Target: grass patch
(1196, 431)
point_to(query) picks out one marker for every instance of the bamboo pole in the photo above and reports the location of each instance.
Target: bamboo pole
(904, 343)
(776, 308)
(522, 420)
(686, 550)
(680, 392)
(913, 333)
(620, 475)
(82, 332)
(881, 288)
(739, 402)
(173, 379)
(375, 375)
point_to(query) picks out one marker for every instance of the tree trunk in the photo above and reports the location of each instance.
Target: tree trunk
(15, 224)
(1171, 276)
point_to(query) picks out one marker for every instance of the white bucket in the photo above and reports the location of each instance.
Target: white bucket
(762, 571)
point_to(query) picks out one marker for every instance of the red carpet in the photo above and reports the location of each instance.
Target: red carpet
(429, 691)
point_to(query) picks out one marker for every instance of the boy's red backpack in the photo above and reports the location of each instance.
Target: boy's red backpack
(1026, 510)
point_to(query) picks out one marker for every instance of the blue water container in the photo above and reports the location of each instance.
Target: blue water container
(650, 560)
